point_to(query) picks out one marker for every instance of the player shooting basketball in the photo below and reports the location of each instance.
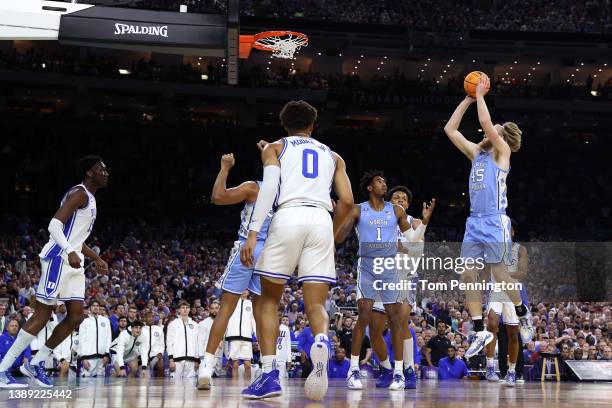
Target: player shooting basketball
(487, 230)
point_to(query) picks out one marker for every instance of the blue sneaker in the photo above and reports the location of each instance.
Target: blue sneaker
(511, 379)
(385, 378)
(266, 385)
(410, 379)
(36, 373)
(480, 340)
(7, 381)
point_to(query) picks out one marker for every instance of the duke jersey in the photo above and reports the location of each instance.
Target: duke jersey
(76, 229)
(487, 184)
(377, 231)
(307, 172)
(245, 220)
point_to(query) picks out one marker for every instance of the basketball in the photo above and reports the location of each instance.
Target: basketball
(471, 81)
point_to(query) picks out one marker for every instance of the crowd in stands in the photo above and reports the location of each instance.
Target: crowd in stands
(395, 88)
(151, 273)
(442, 16)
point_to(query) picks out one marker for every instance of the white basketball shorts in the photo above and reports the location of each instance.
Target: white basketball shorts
(302, 238)
(60, 281)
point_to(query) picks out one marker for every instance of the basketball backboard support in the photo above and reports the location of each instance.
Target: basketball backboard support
(212, 35)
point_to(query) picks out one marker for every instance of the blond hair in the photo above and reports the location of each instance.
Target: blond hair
(512, 135)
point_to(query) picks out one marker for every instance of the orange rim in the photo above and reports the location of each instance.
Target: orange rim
(247, 42)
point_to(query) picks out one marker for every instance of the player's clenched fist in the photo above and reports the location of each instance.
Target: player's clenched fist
(227, 161)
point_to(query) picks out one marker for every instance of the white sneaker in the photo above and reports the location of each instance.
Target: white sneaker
(204, 377)
(398, 382)
(480, 341)
(354, 380)
(315, 386)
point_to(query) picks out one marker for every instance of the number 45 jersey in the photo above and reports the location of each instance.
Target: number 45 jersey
(307, 173)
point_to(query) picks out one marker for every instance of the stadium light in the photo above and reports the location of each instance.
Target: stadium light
(124, 71)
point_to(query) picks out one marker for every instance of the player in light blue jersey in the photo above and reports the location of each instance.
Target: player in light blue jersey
(401, 196)
(236, 277)
(487, 231)
(377, 223)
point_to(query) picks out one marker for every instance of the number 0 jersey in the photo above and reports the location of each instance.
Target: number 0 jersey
(307, 173)
(76, 229)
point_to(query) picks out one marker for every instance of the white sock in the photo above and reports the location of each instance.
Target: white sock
(42, 355)
(409, 353)
(268, 363)
(399, 366)
(490, 362)
(386, 364)
(354, 362)
(321, 337)
(22, 341)
(511, 366)
(209, 361)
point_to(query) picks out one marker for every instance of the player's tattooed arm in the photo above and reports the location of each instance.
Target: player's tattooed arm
(221, 195)
(451, 129)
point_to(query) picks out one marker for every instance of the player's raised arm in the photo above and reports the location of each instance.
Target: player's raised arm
(265, 199)
(485, 118)
(451, 129)
(345, 206)
(221, 195)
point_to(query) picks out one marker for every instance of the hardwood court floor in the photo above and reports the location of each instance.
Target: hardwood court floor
(158, 393)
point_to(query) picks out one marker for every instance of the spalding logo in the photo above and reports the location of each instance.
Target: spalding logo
(126, 29)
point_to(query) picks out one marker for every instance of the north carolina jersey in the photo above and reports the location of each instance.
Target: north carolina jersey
(307, 172)
(377, 231)
(76, 229)
(245, 219)
(487, 184)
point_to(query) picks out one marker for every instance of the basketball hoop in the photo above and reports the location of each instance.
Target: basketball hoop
(282, 44)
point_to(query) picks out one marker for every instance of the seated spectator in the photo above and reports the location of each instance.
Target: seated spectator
(452, 368)
(437, 347)
(339, 365)
(6, 341)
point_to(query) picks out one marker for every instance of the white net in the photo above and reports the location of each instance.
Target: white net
(283, 46)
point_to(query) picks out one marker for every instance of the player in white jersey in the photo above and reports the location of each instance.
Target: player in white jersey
(62, 273)
(410, 245)
(500, 307)
(299, 172)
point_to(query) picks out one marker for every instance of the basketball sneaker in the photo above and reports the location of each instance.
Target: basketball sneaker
(526, 328)
(36, 373)
(354, 380)
(315, 386)
(9, 382)
(491, 374)
(411, 380)
(479, 341)
(511, 379)
(204, 377)
(267, 385)
(385, 378)
(398, 383)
